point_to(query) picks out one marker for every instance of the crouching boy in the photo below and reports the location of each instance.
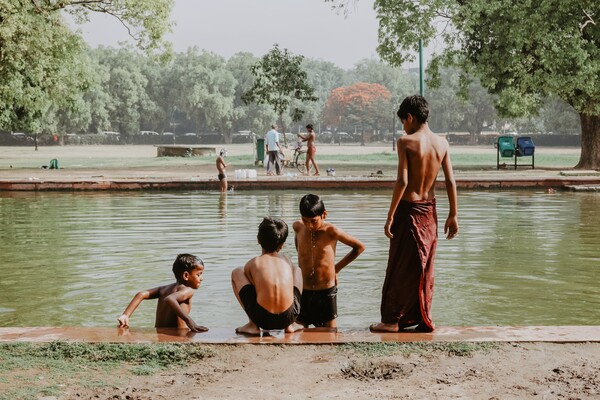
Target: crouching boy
(269, 287)
(174, 300)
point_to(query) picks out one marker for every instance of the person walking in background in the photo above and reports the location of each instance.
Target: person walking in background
(311, 148)
(273, 150)
(412, 222)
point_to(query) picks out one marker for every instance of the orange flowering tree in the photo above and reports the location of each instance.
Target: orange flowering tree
(364, 105)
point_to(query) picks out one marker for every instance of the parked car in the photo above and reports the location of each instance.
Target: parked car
(168, 134)
(111, 133)
(190, 134)
(149, 133)
(21, 137)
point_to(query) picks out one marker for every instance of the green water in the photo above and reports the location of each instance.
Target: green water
(76, 259)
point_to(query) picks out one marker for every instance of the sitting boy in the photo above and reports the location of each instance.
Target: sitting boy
(174, 300)
(316, 242)
(269, 286)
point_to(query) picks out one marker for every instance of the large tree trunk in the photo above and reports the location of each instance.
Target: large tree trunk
(590, 142)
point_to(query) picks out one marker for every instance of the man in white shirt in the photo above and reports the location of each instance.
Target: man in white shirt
(273, 150)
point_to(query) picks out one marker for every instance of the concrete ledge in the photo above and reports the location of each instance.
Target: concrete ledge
(184, 150)
(283, 183)
(556, 334)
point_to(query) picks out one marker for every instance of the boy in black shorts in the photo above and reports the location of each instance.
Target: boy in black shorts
(316, 242)
(269, 286)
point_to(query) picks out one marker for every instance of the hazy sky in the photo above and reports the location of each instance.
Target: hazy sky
(307, 27)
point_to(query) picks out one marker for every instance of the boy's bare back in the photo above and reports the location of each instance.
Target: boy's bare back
(272, 275)
(421, 155)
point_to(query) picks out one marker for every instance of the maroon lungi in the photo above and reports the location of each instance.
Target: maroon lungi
(408, 286)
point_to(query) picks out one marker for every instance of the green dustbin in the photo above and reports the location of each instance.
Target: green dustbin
(260, 152)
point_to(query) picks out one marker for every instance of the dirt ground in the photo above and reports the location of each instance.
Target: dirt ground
(504, 371)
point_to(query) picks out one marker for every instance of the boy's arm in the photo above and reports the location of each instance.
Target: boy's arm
(135, 302)
(296, 226)
(399, 186)
(174, 299)
(348, 240)
(297, 273)
(451, 226)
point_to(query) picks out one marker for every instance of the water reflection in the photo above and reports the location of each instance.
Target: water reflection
(78, 258)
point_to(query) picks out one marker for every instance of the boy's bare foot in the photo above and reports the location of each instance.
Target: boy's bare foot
(317, 174)
(381, 327)
(293, 328)
(249, 329)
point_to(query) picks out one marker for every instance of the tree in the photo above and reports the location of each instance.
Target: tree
(206, 90)
(363, 104)
(252, 117)
(38, 51)
(278, 80)
(457, 106)
(522, 51)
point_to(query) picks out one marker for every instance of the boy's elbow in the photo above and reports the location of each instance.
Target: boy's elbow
(141, 295)
(359, 249)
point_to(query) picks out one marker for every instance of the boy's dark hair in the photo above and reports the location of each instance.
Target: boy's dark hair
(272, 233)
(185, 262)
(309, 126)
(416, 106)
(311, 206)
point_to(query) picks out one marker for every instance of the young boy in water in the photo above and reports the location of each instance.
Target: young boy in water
(174, 300)
(269, 286)
(221, 167)
(316, 242)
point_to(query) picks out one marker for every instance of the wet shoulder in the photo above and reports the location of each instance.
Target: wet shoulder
(297, 226)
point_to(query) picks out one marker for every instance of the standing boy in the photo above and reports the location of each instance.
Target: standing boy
(174, 300)
(311, 148)
(273, 150)
(316, 242)
(269, 286)
(221, 166)
(412, 222)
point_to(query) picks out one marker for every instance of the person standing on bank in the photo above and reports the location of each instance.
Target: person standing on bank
(311, 148)
(412, 222)
(273, 150)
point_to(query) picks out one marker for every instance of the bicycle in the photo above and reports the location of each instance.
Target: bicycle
(297, 160)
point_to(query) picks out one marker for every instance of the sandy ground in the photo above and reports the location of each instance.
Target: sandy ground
(507, 371)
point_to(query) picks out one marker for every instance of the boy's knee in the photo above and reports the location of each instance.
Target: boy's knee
(237, 273)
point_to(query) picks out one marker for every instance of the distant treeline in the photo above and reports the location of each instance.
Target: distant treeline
(200, 92)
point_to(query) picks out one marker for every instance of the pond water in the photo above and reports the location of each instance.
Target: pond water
(76, 259)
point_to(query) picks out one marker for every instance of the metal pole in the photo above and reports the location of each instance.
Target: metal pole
(421, 78)
(394, 133)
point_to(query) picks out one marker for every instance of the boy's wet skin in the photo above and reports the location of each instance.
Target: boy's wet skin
(174, 300)
(316, 242)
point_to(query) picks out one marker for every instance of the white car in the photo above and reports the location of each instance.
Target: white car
(149, 133)
(111, 133)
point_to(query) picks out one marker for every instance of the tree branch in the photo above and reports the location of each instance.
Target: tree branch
(590, 20)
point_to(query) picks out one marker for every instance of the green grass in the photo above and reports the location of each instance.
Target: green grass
(74, 364)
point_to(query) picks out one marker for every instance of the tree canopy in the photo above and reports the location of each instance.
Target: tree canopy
(43, 62)
(522, 51)
(279, 80)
